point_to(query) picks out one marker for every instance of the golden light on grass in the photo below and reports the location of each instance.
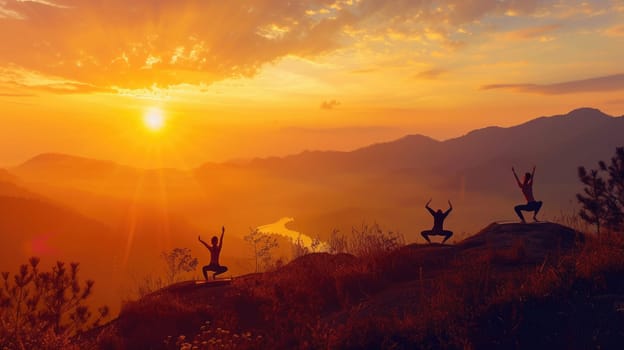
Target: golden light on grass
(154, 119)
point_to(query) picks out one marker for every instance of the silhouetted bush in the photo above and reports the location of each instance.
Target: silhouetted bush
(262, 244)
(602, 199)
(177, 263)
(44, 310)
(371, 241)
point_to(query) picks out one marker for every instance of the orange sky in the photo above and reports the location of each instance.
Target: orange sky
(237, 79)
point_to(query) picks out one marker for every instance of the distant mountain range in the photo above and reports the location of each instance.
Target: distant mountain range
(578, 137)
(387, 183)
(474, 169)
(316, 183)
(477, 163)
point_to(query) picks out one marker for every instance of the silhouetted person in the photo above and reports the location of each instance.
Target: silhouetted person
(527, 190)
(438, 223)
(215, 251)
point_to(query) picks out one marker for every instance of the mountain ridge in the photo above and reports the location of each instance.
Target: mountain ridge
(385, 182)
(583, 113)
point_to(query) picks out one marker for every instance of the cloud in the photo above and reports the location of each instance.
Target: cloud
(617, 30)
(364, 70)
(330, 104)
(615, 102)
(431, 74)
(7, 13)
(540, 32)
(343, 131)
(605, 83)
(138, 44)
(15, 78)
(69, 88)
(43, 2)
(8, 94)
(580, 9)
(143, 43)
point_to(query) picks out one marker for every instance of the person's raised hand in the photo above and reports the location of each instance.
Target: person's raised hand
(426, 205)
(199, 238)
(222, 229)
(449, 202)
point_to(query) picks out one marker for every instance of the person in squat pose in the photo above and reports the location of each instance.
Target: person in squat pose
(438, 223)
(527, 190)
(215, 251)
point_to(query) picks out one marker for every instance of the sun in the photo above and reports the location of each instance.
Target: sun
(154, 119)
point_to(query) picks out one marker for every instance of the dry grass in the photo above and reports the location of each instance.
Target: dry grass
(411, 297)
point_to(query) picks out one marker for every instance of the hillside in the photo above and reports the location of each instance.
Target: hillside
(97, 177)
(9, 186)
(494, 289)
(37, 227)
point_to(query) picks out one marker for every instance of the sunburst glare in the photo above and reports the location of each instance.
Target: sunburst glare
(154, 119)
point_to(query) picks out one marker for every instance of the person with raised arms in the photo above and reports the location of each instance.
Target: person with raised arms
(215, 251)
(438, 223)
(526, 186)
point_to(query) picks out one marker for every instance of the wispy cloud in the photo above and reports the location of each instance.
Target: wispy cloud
(619, 101)
(605, 83)
(617, 30)
(431, 74)
(7, 13)
(543, 33)
(15, 78)
(364, 70)
(9, 94)
(330, 104)
(44, 2)
(11, 9)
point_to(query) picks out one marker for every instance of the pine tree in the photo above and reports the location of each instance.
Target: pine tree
(602, 199)
(615, 189)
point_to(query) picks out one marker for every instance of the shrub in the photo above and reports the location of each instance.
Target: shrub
(178, 261)
(43, 310)
(602, 199)
(372, 241)
(262, 244)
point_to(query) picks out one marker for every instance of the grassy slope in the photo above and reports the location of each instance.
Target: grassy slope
(509, 286)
